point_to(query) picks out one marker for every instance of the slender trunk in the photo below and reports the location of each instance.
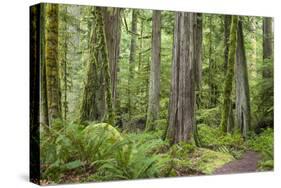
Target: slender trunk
(267, 47)
(181, 107)
(112, 19)
(132, 59)
(198, 39)
(242, 85)
(227, 22)
(52, 64)
(227, 102)
(211, 84)
(112, 26)
(43, 83)
(154, 81)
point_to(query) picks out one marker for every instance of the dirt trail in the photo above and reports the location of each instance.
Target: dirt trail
(247, 163)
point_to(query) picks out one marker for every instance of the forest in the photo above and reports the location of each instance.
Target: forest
(135, 94)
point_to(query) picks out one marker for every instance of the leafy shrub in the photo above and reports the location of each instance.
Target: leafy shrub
(263, 143)
(73, 147)
(134, 162)
(214, 137)
(210, 116)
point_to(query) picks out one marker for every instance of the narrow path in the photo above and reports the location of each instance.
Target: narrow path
(248, 163)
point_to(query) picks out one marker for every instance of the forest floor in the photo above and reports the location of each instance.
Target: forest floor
(247, 163)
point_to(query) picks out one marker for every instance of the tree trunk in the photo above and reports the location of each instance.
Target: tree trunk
(227, 102)
(154, 81)
(227, 22)
(181, 107)
(112, 26)
(132, 58)
(44, 117)
(52, 64)
(198, 39)
(112, 20)
(242, 85)
(97, 104)
(267, 47)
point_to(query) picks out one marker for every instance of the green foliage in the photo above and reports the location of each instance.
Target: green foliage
(263, 144)
(74, 146)
(212, 137)
(131, 163)
(206, 161)
(215, 139)
(209, 117)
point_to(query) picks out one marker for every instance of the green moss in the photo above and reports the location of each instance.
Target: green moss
(207, 161)
(229, 75)
(111, 134)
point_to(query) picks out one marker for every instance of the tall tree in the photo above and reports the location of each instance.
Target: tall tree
(112, 20)
(242, 85)
(227, 22)
(132, 58)
(44, 117)
(227, 102)
(154, 81)
(198, 39)
(267, 88)
(51, 63)
(63, 46)
(181, 108)
(97, 102)
(112, 26)
(267, 46)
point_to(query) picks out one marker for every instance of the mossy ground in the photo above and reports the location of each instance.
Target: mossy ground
(207, 161)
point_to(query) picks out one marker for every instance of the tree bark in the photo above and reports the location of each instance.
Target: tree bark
(97, 103)
(227, 102)
(267, 46)
(44, 117)
(181, 107)
(242, 85)
(154, 81)
(132, 59)
(112, 20)
(227, 22)
(52, 64)
(198, 39)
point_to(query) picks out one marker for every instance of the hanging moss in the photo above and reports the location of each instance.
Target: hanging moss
(229, 75)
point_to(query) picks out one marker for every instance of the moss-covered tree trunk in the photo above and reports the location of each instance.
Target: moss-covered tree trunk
(242, 85)
(227, 23)
(227, 101)
(267, 47)
(181, 107)
(44, 117)
(132, 59)
(212, 68)
(154, 81)
(198, 39)
(112, 25)
(97, 101)
(51, 63)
